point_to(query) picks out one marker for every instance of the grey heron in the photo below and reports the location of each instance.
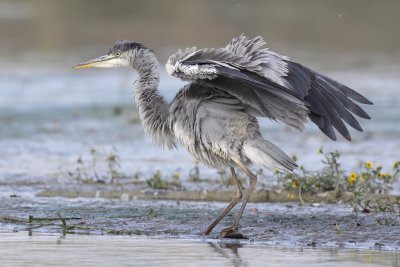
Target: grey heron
(215, 115)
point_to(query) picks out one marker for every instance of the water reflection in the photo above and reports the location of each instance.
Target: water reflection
(229, 251)
(19, 249)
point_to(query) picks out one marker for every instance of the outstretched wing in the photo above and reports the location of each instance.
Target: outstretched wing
(330, 102)
(221, 69)
(272, 85)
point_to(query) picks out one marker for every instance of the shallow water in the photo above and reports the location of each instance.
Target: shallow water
(20, 249)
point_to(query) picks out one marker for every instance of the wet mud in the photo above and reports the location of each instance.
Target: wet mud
(275, 224)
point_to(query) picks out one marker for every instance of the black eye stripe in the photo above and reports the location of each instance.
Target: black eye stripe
(123, 46)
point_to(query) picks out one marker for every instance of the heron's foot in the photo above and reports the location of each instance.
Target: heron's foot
(231, 232)
(205, 233)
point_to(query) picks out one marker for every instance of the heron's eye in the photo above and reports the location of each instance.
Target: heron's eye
(118, 53)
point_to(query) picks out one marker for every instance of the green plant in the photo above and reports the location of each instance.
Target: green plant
(328, 179)
(194, 173)
(87, 171)
(157, 182)
(368, 180)
(113, 166)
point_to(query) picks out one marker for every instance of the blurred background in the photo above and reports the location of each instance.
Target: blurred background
(51, 114)
(56, 30)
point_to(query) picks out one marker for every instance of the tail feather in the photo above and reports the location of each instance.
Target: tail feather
(264, 153)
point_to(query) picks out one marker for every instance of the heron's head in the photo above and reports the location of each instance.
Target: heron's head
(122, 54)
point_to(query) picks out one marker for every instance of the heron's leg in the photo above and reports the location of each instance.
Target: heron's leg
(234, 201)
(233, 231)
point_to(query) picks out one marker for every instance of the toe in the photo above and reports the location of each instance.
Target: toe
(231, 232)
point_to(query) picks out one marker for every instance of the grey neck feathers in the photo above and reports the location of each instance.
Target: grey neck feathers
(153, 109)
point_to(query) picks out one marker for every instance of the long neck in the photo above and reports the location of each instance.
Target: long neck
(153, 109)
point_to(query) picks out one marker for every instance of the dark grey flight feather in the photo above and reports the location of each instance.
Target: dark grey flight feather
(330, 103)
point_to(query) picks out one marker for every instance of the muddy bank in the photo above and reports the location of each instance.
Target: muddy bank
(277, 224)
(261, 195)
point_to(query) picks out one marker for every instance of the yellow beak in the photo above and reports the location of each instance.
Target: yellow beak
(102, 61)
